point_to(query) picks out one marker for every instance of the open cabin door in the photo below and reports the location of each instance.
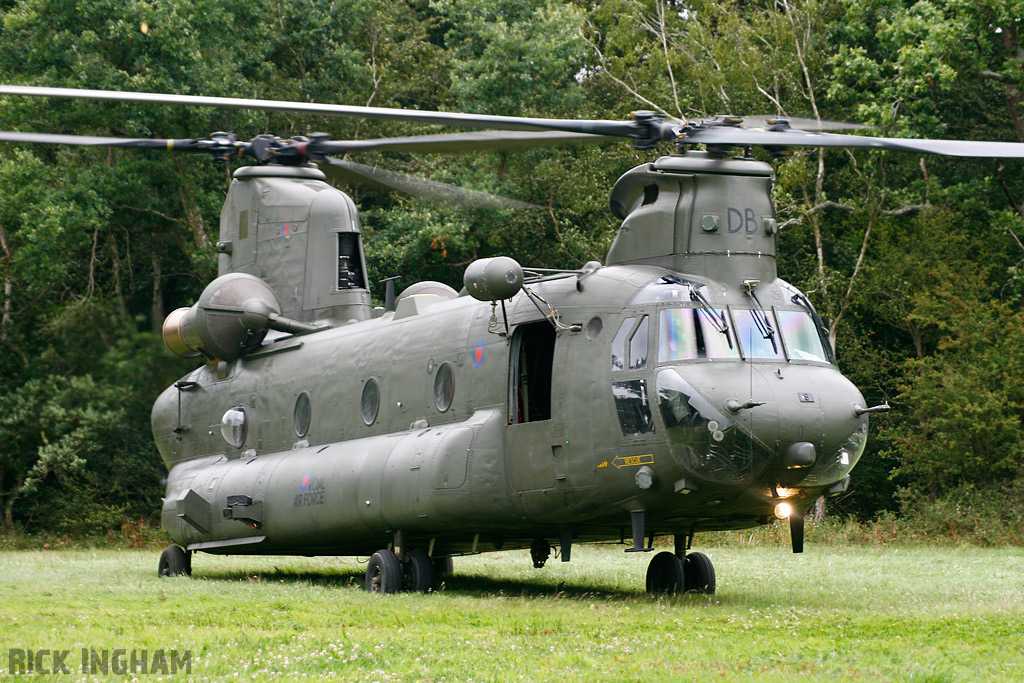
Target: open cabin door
(529, 454)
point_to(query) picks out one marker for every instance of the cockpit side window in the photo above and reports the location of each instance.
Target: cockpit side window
(619, 344)
(633, 407)
(638, 346)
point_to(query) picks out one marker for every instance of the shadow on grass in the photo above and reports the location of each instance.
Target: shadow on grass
(459, 585)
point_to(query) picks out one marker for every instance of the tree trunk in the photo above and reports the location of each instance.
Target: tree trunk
(156, 312)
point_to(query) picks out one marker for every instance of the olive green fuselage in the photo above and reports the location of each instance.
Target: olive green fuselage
(683, 380)
(478, 475)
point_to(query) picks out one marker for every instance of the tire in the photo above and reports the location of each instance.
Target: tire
(443, 566)
(699, 574)
(665, 574)
(174, 562)
(384, 573)
(418, 572)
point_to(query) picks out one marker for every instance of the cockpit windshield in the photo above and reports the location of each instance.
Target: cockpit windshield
(694, 333)
(756, 344)
(688, 333)
(803, 340)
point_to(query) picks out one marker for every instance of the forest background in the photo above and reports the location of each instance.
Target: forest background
(915, 263)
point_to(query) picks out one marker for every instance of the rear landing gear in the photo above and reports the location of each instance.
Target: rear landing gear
(670, 573)
(418, 572)
(385, 573)
(175, 562)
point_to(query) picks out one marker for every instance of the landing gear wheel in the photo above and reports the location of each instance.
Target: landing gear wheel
(418, 572)
(443, 566)
(665, 574)
(699, 574)
(175, 562)
(384, 573)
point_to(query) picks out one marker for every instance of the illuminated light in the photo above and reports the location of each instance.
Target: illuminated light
(783, 510)
(783, 492)
(844, 457)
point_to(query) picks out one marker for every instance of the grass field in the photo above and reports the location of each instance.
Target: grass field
(833, 613)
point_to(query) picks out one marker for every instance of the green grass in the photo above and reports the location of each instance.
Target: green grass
(833, 613)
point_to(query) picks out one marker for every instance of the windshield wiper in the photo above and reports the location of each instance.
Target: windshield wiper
(760, 316)
(823, 332)
(718, 321)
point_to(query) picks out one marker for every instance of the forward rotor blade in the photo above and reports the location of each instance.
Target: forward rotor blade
(742, 137)
(350, 172)
(91, 141)
(482, 141)
(598, 127)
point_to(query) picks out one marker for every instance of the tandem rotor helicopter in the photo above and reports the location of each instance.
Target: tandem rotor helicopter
(680, 387)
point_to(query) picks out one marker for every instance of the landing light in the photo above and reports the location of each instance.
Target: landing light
(783, 510)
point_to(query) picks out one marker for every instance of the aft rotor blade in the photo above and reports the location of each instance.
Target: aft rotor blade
(91, 141)
(597, 127)
(482, 141)
(742, 137)
(799, 123)
(351, 172)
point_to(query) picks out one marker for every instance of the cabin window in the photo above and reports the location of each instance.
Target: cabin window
(234, 426)
(530, 367)
(369, 402)
(303, 415)
(444, 386)
(633, 407)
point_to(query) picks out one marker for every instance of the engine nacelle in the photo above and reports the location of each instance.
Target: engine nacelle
(493, 279)
(232, 316)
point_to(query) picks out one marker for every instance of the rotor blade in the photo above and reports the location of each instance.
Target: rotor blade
(598, 127)
(88, 140)
(487, 140)
(800, 123)
(350, 172)
(741, 137)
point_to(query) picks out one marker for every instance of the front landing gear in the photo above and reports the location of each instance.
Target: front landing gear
(385, 573)
(175, 562)
(670, 573)
(698, 574)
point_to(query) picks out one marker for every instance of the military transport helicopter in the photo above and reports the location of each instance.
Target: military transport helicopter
(680, 387)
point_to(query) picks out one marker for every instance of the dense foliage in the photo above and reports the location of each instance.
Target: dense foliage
(915, 263)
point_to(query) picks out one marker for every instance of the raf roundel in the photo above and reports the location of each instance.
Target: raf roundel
(478, 355)
(304, 484)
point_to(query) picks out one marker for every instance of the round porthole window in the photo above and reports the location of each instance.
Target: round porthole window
(444, 386)
(234, 425)
(369, 404)
(303, 414)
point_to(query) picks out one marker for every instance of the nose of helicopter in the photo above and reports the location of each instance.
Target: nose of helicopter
(745, 423)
